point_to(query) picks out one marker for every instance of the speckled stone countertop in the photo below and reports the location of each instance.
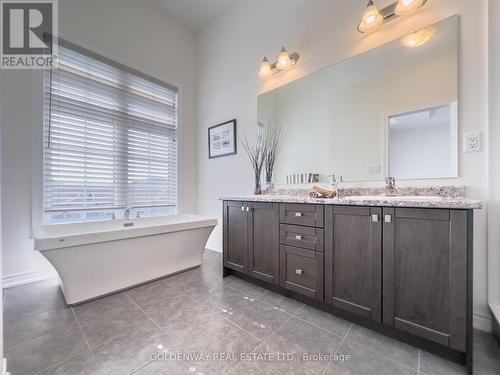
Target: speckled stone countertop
(399, 201)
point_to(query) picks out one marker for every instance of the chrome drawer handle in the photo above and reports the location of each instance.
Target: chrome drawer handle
(388, 218)
(298, 237)
(298, 214)
(298, 272)
(248, 209)
(374, 218)
(242, 208)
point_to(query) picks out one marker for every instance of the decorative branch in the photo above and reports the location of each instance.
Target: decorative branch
(273, 139)
(257, 155)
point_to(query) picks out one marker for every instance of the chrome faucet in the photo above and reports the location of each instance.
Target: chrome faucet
(126, 214)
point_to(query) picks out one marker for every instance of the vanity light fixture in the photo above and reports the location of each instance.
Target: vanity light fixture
(419, 38)
(407, 6)
(373, 17)
(285, 61)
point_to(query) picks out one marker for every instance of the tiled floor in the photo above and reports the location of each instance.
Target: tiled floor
(199, 313)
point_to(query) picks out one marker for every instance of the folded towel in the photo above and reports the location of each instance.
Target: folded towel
(314, 194)
(321, 192)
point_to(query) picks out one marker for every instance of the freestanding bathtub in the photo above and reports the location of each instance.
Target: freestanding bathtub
(95, 259)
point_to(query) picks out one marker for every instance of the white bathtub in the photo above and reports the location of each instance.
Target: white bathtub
(95, 259)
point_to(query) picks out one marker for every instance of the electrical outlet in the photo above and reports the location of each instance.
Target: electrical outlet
(373, 169)
(472, 142)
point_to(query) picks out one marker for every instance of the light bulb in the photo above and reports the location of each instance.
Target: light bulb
(419, 38)
(265, 68)
(283, 59)
(407, 6)
(371, 18)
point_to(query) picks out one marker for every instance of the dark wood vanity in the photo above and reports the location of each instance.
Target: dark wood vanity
(406, 272)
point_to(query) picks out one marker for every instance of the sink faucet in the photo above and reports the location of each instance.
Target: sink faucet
(126, 214)
(390, 187)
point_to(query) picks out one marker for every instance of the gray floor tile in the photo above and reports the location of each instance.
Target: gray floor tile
(185, 368)
(365, 362)
(40, 287)
(81, 364)
(324, 320)
(256, 317)
(126, 320)
(300, 337)
(102, 306)
(384, 345)
(246, 287)
(151, 293)
(221, 337)
(25, 328)
(266, 361)
(18, 304)
(126, 355)
(433, 365)
(486, 353)
(47, 350)
(281, 302)
(182, 316)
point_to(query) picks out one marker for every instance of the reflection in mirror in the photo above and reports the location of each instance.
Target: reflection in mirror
(423, 143)
(335, 121)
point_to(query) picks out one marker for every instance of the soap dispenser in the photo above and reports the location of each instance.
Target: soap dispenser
(334, 186)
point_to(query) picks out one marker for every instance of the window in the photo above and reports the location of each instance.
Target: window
(110, 141)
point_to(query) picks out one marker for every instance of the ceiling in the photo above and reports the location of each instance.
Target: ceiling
(195, 14)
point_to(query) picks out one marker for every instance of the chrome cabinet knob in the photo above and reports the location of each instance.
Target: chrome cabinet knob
(388, 218)
(374, 218)
(242, 208)
(298, 272)
(248, 209)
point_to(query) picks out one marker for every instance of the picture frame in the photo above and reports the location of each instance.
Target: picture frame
(222, 139)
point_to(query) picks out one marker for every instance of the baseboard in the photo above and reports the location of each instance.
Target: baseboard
(4, 367)
(25, 278)
(482, 322)
(214, 246)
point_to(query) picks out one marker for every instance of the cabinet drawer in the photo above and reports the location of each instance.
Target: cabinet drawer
(302, 214)
(300, 236)
(301, 271)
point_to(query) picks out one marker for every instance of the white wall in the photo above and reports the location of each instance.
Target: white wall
(324, 32)
(129, 32)
(494, 204)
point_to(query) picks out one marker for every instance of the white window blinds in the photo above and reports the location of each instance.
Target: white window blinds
(109, 137)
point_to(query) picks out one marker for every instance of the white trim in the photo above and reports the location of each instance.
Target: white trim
(4, 367)
(26, 278)
(482, 321)
(214, 246)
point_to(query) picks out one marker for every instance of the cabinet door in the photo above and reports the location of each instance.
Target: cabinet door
(425, 273)
(302, 271)
(353, 259)
(263, 248)
(236, 220)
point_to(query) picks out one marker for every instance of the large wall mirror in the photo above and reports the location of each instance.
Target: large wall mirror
(392, 111)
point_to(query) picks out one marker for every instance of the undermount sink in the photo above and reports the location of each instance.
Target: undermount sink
(389, 198)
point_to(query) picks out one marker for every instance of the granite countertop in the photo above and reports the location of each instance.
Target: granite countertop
(399, 201)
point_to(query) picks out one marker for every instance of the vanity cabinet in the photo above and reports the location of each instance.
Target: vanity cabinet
(251, 239)
(353, 259)
(425, 272)
(406, 270)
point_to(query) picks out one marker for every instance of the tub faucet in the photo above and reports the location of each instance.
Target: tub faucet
(126, 214)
